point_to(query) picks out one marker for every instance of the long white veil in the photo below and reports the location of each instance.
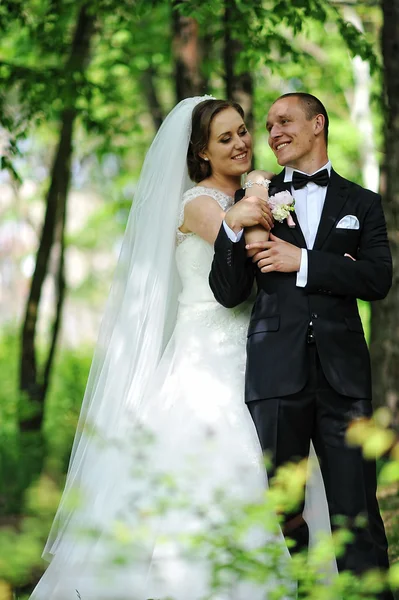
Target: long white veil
(140, 313)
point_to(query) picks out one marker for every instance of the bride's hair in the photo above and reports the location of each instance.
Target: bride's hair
(203, 115)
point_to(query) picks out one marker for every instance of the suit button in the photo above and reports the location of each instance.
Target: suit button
(314, 315)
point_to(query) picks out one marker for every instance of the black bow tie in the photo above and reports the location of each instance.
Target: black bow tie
(299, 180)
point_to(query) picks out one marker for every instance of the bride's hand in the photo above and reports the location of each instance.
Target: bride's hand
(257, 233)
(247, 212)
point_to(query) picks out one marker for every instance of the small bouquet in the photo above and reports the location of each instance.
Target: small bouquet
(281, 205)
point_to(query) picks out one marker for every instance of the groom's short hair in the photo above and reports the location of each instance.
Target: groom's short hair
(312, 107)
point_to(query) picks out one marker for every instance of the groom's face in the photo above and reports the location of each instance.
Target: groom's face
(291, 135)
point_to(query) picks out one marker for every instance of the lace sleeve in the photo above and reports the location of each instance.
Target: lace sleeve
(187, 197)
(221, 198)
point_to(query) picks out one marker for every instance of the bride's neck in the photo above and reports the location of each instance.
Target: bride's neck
(228, 185)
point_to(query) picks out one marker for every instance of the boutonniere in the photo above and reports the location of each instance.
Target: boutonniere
(281, 205)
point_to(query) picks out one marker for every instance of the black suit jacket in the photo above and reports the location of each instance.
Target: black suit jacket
(277, 357)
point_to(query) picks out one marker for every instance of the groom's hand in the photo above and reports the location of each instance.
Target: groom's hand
(276, 255)
(248, 212)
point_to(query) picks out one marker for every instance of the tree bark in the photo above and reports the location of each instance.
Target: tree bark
(238, 86)
(34, 379)
(187, 49)
(151, 96)
(361, 111)
(385, 315)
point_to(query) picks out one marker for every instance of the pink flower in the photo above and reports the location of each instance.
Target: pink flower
(281, 204)
(280, 198)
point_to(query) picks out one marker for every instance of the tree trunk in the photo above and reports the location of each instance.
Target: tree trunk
(151, 96)
(239, 87)
(384, 315)
(187, 50)
(361, 111)
(34, 379)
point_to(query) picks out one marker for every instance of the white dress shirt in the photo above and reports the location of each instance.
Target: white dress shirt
(309, 203)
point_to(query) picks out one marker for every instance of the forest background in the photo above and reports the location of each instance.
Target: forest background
(84, 85)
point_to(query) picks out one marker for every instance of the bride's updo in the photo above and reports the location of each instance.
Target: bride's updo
(203, 114)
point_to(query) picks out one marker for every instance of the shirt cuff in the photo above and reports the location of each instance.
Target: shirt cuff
(234, 237)
(302, 275)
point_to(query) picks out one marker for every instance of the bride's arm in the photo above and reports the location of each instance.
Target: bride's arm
(257, 233)
(203, 216)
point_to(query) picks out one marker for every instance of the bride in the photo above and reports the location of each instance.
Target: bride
(165, 451)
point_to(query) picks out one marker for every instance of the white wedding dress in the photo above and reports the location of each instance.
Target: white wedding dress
(191, 475)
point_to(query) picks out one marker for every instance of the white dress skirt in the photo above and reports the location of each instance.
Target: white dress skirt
(165, 521)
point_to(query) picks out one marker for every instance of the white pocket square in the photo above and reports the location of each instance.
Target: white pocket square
(348, 222)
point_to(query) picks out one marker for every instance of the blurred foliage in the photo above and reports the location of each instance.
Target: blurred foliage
(133, 38)
(288, 46)
(221, 542)
(62, 410)
(22, 538)
(378, 439)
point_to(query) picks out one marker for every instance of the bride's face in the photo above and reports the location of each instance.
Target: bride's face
(229, 148)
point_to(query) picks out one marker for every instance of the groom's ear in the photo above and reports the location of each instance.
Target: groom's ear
(319, 124)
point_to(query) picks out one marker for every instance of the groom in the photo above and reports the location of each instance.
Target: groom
(308, 368)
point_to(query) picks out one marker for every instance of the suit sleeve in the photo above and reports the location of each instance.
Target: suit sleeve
(369, 277)
(232, 273)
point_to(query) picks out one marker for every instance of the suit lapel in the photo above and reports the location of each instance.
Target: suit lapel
(279, 185)
(337, 194)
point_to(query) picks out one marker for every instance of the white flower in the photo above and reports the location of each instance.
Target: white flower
(281, 204)
(280, 213)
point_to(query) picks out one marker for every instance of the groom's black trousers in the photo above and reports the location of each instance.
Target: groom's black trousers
(285, 428)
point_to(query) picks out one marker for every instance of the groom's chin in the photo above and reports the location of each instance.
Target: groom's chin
(280, 160)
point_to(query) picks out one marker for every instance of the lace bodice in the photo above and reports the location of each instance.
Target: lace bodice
(197, 303)
(193, 254)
